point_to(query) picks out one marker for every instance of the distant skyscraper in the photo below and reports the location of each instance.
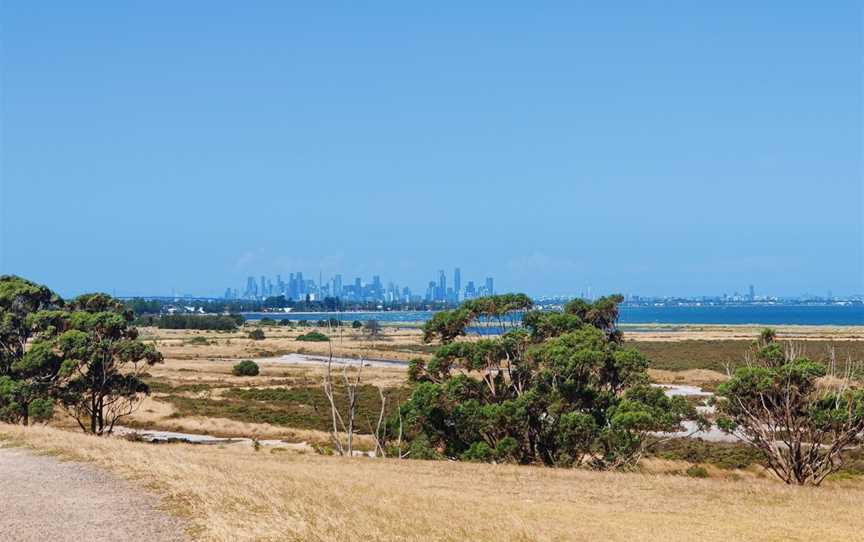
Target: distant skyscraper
(457, 283)
(431, 291)
(251, 288)
(752, 293)
(301, 285)
(470, 291)
(441, 293)
(337, 286)
(490, 290)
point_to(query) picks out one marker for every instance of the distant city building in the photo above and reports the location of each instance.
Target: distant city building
(441, 291)
(457, 284)
(337, 285)
(470, 291)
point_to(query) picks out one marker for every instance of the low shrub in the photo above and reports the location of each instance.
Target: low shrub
(257, 334)
(313, 336)
(247, 367)
(697, 471)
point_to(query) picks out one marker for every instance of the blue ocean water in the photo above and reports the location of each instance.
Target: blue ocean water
(729, 314)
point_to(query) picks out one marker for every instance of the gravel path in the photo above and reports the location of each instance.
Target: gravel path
(43, 499)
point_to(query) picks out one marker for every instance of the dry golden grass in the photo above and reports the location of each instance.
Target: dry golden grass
(395, 343)
(234, 493)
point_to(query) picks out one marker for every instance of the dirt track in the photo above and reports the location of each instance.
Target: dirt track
(42, 498)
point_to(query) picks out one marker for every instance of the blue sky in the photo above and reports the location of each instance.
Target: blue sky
(641, 147)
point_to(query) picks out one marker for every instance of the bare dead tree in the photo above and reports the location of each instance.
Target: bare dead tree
(344, 423)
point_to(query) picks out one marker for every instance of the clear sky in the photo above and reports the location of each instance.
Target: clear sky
(641, 147)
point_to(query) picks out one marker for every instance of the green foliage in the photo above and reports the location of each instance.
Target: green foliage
(29, 314)
(100, 358)
(247, 367)
(142, 307)
(446, 326)
(697, 471)
(313, 336)
(564, 391)
(257, 334)
(778, 399)
(330, 322)
(356, 324)
(198, 340)
(199, 321)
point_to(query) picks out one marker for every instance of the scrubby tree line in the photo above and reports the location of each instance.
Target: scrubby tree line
(82, 355)
(328, 304)
(211, 322)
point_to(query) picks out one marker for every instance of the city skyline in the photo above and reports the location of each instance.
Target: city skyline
(390, 290)
(298, 287)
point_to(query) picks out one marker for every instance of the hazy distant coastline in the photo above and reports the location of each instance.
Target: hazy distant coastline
(810, 315)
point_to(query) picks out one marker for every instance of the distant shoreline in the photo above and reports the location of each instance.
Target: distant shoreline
(717, 315)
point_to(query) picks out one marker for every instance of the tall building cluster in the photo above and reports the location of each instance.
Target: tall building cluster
(298, 287)
(437, 290)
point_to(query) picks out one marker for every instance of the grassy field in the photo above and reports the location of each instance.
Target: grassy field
(716, 355)
(194, 389)
(302, 407)
(235, 493)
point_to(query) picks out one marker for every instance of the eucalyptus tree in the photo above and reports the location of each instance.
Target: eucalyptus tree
(29, 367)
(781, 403)
(559, 389)
(102, 361)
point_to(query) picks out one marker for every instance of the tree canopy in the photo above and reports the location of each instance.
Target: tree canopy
(28, 376)
(781, 404)
(102, 358)
(562, 390)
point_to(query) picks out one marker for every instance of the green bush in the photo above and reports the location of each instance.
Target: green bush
(247, 367)
(313, 336)
(356, 324)
(198, 341)
(257, 334)
(40, 410)
(697, 471)
(480, 452)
